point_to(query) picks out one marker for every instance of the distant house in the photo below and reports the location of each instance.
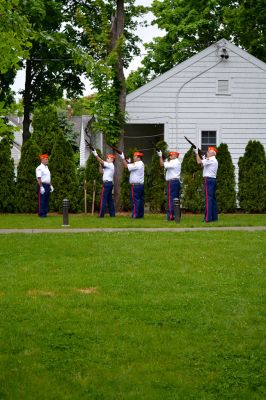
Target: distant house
(86, 136)
(218, 95)
(17, 142)
(81, 125)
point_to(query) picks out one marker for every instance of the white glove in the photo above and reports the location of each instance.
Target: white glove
(159, 153)
(42, 190)
(122, 156)
(129, 160)
(195, 150)
(94, 152)
(51, 189)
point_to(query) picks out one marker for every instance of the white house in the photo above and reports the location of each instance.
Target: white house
(217, 96)
(17, 142)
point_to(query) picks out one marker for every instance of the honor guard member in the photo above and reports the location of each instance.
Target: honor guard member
(172, 177)
(44, 187)
(108, 170)
(210, 167)
(136, 180)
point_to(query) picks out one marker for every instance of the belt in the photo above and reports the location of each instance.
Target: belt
(137, 184)
(107, 181)
(174, 179)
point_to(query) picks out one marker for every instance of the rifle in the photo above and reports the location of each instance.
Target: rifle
(90, 146)
(117, 151)
(200, 152)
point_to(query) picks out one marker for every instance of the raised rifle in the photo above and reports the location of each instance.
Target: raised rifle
(200, 152)
(118, 151)
(90, 146)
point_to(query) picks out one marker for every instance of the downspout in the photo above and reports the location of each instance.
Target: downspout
(185, 83)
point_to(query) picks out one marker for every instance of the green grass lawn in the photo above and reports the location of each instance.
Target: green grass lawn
(21, 221)
(117, 316)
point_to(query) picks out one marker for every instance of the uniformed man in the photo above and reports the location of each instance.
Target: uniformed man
(107, 168)
(136, 180)
(210, 167)
(44, 187)
(172, 177)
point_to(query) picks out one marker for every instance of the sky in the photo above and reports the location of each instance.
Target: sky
(145, 33)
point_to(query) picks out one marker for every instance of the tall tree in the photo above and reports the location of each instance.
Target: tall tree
(49, 68)
(15, 31)
(193, 25)
(110, 43)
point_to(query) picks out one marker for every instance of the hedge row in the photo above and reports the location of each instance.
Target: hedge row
(69, 181)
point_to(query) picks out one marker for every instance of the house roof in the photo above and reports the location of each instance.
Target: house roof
(15, 120)
(182, 66)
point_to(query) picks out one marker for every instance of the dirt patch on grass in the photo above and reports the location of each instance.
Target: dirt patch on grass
(37, 293)
(89, 290)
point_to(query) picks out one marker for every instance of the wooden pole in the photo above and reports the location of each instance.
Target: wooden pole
(85, 196)
(93, 197)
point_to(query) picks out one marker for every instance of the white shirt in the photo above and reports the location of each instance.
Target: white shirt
(173, 169)
(210, 167)
(136, 170)
(108, 171)
(42, 171)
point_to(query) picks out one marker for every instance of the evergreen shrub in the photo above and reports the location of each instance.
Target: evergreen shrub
(94, 180)
(125, 185)
(157, 185)
(26, 193)
(63, 175)
(252, 178)
(192, 196)
(45, 127)
(7, 178)
(225, 193)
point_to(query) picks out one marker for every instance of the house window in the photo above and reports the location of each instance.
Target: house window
(208, 138)
(223, 87)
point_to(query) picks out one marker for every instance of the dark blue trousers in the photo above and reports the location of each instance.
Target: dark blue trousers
(43, 200)
(107, 199)
(210, 205)
(137, 200)
(173, 190)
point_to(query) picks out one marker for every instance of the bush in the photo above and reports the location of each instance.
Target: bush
(192, 197)
(81, 187)
(157, 196)
(252, 178)
(7, 178)
(93, 182)
(125, 185)
(225, 194)
(63, 175)
(45, 127)
(26, 194)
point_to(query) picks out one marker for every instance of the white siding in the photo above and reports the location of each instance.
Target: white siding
(186, 100)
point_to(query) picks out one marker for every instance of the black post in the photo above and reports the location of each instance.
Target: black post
(65, 206)
(177, 210)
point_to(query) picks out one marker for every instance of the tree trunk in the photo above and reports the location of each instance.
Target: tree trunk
(117, 30)
(27, 101)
